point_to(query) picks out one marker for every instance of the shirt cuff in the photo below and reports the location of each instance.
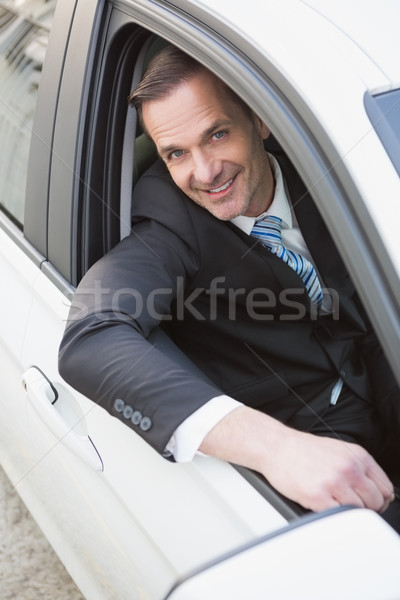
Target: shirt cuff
(187, 438)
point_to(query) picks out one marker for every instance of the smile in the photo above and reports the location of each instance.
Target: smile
(222, 188)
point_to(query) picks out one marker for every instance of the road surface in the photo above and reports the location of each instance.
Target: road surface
(29, 568)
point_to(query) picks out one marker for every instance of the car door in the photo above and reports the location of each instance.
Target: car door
(24, 33)
(92, 484)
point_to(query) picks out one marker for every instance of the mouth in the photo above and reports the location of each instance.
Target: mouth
(222, 188)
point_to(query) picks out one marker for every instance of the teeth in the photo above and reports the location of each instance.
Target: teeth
(222, 188)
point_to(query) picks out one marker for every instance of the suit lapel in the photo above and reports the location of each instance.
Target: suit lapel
(320, 244)
(322, 248)
(314, 230)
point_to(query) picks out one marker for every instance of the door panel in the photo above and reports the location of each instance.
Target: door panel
(17, 273)
(141, 510)
(61, 414)
(82, 516)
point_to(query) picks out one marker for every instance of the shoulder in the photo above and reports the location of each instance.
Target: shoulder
(155, 193)
(156, 198)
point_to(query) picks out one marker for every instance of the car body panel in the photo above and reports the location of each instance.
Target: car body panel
(212, 517)
(315, 574)
(363, 31)
(19, 273)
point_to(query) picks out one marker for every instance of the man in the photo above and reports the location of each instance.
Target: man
(288, 391)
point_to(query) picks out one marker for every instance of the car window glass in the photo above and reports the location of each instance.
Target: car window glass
(24, 32)
(384, 113)
(389, 104)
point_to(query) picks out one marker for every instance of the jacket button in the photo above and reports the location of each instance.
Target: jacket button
(136, 417)
(127, 412)
(119, 405)
(145, 423)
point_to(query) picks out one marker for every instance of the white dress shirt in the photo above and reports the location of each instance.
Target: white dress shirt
(187, 438)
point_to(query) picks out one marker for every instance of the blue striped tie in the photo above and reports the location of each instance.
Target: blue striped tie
(268, 230)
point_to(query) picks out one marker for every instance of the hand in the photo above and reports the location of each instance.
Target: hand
(320, 473)
(317, 472)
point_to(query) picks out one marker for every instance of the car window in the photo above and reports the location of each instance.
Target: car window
(24, 32)
(384, 113)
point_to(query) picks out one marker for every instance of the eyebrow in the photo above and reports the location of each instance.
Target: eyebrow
(216, 126)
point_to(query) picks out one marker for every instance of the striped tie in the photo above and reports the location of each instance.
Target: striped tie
(268, 231)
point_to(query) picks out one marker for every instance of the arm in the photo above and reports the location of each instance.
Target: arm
(319, 473)
(106, 353)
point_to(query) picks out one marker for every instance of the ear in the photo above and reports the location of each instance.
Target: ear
(263, 130)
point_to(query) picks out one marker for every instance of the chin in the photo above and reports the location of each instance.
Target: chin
(226, 211)
(223, 215)
(229, 215)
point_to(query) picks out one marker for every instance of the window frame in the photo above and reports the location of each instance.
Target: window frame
(40, 156)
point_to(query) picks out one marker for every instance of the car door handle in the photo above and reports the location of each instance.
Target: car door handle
(62, 415)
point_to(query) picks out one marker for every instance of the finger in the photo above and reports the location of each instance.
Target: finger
(371, 471)
(359, 489)
(387, 501)
(321, 503)
(371, 495)
(382, 481)
(378, 476)
(366, 496)
(349, 497)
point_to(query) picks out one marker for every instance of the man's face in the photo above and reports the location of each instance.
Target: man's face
(212, 148)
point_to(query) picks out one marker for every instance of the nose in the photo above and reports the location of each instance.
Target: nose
(206, 168)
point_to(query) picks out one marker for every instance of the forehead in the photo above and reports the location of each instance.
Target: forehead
(189, 111)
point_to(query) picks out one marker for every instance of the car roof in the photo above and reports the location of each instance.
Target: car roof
(360, 35)
(373, 26)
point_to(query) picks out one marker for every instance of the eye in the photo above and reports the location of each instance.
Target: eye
(175, 154)
(219, 135)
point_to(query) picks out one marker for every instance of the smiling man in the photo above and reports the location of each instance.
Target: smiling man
(219, 161)
(236, 261)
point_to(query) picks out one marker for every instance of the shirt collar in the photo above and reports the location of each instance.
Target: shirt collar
(279, 206)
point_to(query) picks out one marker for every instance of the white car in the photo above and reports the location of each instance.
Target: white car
(126, 523)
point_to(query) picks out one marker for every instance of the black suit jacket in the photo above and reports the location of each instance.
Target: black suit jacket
(240, 314)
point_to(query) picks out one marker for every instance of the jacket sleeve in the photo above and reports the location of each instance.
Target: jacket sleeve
(110, 351)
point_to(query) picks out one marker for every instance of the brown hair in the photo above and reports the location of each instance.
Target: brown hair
(166, 71)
